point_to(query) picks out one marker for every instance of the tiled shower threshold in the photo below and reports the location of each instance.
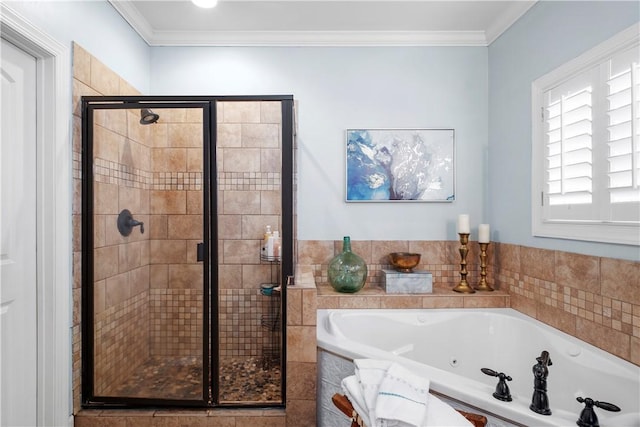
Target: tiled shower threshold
(243, 380)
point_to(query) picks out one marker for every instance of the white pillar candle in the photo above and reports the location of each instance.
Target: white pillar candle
(484, 236)
(463, 224)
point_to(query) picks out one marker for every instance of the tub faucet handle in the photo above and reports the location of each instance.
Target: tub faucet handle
(502, 389)
(588, 417)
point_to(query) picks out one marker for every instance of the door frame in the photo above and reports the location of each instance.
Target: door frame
(53, 217)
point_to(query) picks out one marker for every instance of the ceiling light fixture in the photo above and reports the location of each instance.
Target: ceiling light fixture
(206, 4)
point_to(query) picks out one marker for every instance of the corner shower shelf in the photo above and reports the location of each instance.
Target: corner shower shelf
(271, 317)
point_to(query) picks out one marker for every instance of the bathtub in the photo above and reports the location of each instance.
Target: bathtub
(450, 346)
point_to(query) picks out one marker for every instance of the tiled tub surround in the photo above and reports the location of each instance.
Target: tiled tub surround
(595, 299)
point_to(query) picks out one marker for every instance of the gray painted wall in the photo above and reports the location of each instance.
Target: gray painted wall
(483, 93)
(548, 35)
(341, 88)
(97, 27)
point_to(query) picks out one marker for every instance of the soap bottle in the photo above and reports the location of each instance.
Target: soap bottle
(276, 244)
(265, 241)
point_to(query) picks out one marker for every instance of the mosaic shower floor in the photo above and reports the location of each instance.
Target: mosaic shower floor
(241, 380)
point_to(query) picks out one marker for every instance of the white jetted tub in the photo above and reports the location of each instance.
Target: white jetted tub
(450, 346)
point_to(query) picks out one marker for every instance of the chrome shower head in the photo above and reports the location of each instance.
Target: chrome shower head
(147, 116)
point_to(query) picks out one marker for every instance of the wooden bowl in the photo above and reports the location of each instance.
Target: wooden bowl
(404, 261)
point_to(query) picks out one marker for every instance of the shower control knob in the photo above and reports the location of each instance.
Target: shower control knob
(126, 223)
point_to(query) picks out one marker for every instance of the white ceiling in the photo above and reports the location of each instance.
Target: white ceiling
(322, 23)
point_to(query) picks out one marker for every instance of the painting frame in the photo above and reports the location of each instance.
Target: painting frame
(400, 165)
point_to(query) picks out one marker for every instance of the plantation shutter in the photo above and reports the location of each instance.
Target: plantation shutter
(568, 116)
(592, 148)
(623, 133)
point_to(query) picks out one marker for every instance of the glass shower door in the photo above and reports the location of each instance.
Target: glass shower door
(145, 234)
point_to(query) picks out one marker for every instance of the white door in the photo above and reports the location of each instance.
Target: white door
(18, 305)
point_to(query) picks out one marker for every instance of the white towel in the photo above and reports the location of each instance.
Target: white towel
(402, 397)
(370, 373)
(440, 414)
(353, 391)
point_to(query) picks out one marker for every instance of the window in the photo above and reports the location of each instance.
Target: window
(586, 145)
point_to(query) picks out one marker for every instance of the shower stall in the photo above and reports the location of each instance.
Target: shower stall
(176, 195)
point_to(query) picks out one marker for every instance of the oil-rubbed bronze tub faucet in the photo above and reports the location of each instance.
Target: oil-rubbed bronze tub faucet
(540, 400)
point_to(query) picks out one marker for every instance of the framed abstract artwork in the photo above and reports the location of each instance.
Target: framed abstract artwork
(407, 165)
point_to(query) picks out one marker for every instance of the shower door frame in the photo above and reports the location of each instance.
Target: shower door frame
(210, 344)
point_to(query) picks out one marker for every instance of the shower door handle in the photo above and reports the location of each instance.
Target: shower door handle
(200, 252)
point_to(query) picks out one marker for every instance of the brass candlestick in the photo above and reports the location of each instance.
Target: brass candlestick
(483, 285)
(463, 286)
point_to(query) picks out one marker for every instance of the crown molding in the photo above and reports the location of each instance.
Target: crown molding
(507, 19)
(318, 38)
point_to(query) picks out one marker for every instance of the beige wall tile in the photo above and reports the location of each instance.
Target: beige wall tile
(309, 306)
(312, 252)
(185, 276)
(443, 302)
(523, 304)
(241, 160)
(229, 135)
(173, 115)
(621, 279)
(360, 302)
(159, 276)
(167, 202)
(301, 412)
(380, 250)
(538, 263)
(241, 202)
(270, 160)
(158, 226)
(194, 160)
(253, 275)
(103, 79)
(168, 251)
(484, 301)
(294, 307)
(117, 289)
(301, 380)
(112, 120)
(635, 350)
(241, 112)
(169, 159)
(241, 251)
(136, 200)
(431, 252)
(508, 257)
(557, 318)
(271, 112)
(253, 226)
(106, 144)
(81, 64)
(230, 276)
(185, 135)
(194, 202)
(578, 271)
(105, 262)
(129, 256)
(270, 203)
(99, 297)
(185, 227)
(613, 341)
(261, 135)
(401, 301)
(139, 278)
(301, 344)
(230, 226)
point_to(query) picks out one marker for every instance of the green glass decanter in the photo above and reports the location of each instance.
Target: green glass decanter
(347, 271)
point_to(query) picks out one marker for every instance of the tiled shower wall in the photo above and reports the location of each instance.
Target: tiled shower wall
(175, 229)
(121, 276)
(249, 183)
